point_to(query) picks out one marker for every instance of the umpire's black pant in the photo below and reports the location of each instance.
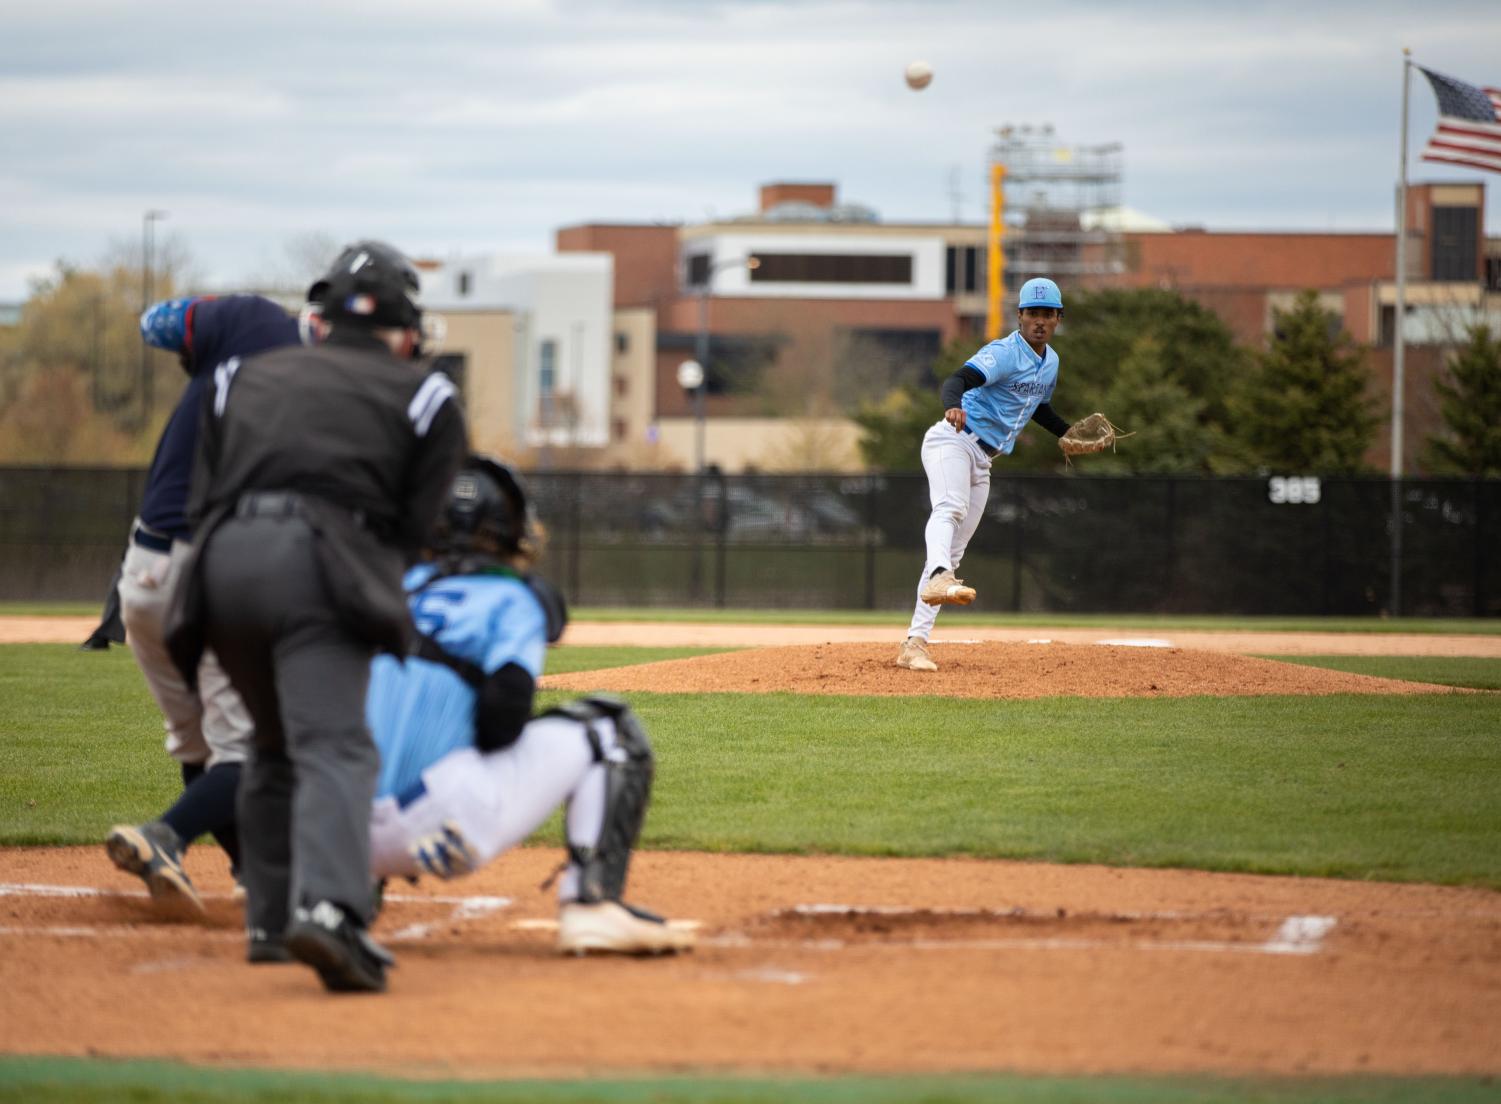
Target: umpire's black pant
(305, 795)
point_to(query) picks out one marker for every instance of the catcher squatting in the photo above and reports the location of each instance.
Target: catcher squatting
(465, 771)
(986, 403)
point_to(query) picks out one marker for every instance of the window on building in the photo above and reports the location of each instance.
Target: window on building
(832, 268)
(698, 269)
(622, 342)
(1493, 273)
(465, 282)
(964, 269)
(547, 366)
(456, 367)
(618, 429)
(1455, 243)
(622, 387)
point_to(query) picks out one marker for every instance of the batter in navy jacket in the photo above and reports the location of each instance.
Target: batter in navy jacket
(208, 728)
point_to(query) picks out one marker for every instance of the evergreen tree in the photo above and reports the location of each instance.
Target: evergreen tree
(1166, 420)
(1304, 407)
(1470, 402)
(1194, 360)
(1101, 328)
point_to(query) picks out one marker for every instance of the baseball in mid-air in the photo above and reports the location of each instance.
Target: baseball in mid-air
(919, 75)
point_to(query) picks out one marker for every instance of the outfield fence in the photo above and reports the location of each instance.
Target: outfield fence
(1048, 544)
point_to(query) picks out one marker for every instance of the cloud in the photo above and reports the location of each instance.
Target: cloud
(462, 124)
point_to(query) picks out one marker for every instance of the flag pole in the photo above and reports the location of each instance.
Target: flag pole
(1398, 352)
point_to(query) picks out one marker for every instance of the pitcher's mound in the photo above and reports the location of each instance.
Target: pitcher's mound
(985, 670)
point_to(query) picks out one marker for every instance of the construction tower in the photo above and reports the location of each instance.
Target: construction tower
(1054, 211)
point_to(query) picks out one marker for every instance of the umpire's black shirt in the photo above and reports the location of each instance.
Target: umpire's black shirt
(344, 421)
(367, 444)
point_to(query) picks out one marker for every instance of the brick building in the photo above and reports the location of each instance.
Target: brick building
(839, 305)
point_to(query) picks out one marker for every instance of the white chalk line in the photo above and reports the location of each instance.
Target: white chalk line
(32, 889)
(463, 908)
(1297, 935)
(1115, 642)
(543, 924)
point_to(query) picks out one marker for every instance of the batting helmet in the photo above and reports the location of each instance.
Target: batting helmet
(1039, 292)
(486, 511)
(370, 284)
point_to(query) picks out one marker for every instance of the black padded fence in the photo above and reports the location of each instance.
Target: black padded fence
(1047, 544)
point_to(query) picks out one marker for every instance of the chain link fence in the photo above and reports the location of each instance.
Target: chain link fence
(1048, 544)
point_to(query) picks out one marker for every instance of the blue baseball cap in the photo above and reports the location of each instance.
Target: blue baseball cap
(1039, 292)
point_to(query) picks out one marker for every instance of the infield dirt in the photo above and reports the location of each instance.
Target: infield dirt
(943, 966)
(985, 669)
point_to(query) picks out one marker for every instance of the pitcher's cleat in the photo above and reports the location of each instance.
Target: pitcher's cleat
(915, 655)
(153, 853)
(613, 927)
(943, 589)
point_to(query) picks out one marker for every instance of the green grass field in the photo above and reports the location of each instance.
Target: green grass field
(1351, 786)
(1358, 786)
(62, 1081)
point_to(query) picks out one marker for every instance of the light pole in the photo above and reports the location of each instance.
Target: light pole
(148, 221)
(691, 379)
(693, 374)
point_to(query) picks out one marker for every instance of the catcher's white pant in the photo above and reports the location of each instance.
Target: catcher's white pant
(498, 799)
(958, 486)
(211, 726)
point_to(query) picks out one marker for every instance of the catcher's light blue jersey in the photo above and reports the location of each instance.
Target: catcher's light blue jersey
(1017, 381)
(418, 710)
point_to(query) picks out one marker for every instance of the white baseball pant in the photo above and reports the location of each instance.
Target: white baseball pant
(498, 799)
(211, 726)
(958, 473)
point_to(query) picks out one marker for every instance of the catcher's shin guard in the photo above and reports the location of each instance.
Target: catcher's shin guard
(629, 768)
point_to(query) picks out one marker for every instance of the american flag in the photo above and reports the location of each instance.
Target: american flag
(1469, 124)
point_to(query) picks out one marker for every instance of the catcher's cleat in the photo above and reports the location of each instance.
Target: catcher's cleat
(613, 927)
(347, 960)
(915, 655)
(153, 853)
(943, 589)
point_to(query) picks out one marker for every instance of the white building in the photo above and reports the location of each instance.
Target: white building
(560, 309)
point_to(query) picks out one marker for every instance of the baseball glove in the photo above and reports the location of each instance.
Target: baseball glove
(1092, 434)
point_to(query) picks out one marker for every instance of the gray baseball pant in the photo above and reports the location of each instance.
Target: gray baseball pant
(305, 795)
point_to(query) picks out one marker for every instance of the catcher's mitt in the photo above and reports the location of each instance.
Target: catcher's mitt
(1092, 434)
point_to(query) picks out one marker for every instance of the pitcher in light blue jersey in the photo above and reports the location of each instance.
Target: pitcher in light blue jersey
(466, 771)
(987, 403)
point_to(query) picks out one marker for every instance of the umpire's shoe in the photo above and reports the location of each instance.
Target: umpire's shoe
(153, 852)
(943, 589)
(613, 927)
(347, 959)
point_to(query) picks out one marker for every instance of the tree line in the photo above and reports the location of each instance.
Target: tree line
(77, 386)
(1169, 370)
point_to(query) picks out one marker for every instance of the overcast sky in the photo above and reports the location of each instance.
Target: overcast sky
(475, 125)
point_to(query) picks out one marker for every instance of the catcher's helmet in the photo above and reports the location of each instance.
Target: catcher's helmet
(486, 510)
(369, 284)
(1039, 292)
